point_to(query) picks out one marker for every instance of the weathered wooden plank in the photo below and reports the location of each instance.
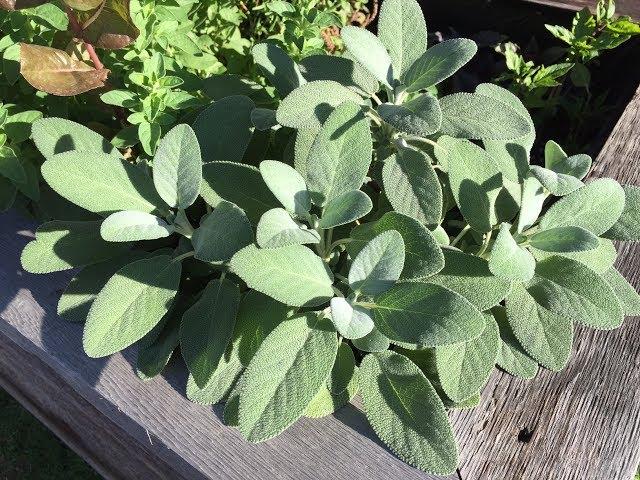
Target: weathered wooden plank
(623, 7)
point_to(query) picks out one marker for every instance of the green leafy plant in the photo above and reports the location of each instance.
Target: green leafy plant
(397, 244)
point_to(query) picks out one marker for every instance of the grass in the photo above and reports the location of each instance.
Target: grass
(29, 451)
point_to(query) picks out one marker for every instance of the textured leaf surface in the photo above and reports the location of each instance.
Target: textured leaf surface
(239, 184)
(276, 229)
(341, 154)
(57, 135)
(293, 275)
(64, 245)
(132, 302)
(287, 185)
(557, 160)
(403, 31)
(423, 255)
(113, 28)
(345, 208)
(325, 403)
(369, 51)
(378, 265)
(222, 233)
(627, 227)
(511, 356)
(207, 328)
(278, 68)
(352, 322)
(406, 412)
(544, 335)
(564, 239)
(509, 260)
(343, 369)
(298, 352)
(464, 368)
(311, 104)
(102, 183)
(420, 116)
(629, 298)
(426, 315)
(533, 197)
(596, 207)
(470, 276)
(412, 186)
(439, 63)
(177, 167)
(344, 70)
(558, 184)
(478, 117)
(131, 226)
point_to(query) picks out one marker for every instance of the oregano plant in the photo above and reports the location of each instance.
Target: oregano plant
(400, 246)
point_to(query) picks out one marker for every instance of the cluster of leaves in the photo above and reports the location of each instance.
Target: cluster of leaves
(591, 34)
(398, 245)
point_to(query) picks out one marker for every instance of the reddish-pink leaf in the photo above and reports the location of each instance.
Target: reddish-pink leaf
(83, 5)
(19, 4)
(111, 26)
(54, 71)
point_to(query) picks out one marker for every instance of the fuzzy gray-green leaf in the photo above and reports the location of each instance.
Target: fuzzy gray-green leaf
(509, 260)
(378, 265)
(287, 185)
(345, 208)
(627, 227)
(511, 356)
(369, 51)
(278, 68)
(131, 226)
(628, 296)
(352, 322)
(420, 116)
(276, 229)
(564, 239)
(344, 70)
(57, 135)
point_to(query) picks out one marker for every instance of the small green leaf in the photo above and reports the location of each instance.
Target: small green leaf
(564, 239)
(334, 165)
(11, 167)
(293, 275)
(132, 302)
(207, 328)
(149, 134)
(509, 260)
(177, 167)
(277, 67)
(412, 186)
(558, 184)
(64, 245)
(131, 226)
(596, 207)
(343, 370)
(352, 322)
(287, 185)
(325, 403)
(470, 276)
(557, 160)
(438, 63)
(276, 229)
(378, 265)
(512, 358)
(298, 352)
(426, 315)
(406, 413)
(420, 116)
(629, 298)
(423, 255)
(222, 233)
(464, 368)
(533, 197)
(544, 335)
(345, 208)
(627, 227)
(370, 52)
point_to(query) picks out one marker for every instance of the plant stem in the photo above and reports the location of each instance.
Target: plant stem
(341, 278)
(485, 244)
(376, 99)
(462, 233)
(179, 258)
(77, 29)
(427, 141)
(340, 242)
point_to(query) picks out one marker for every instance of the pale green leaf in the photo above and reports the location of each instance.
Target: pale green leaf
(564, 239)
(343, 369)
(509, 260)
(277, 67)
(131, 226)
(558, 184)
(420, 116)
(370, 52)
(599, 259)
(533, 197)
(325, 403)
(276, 229)
(344, 70)
(293, 275)
(132, 302)
(378, 265)
(57, 135)
(557, 160)
(512, 358)
(627, 227)
(406, 413)
(626, 293)
(352, 322)
(374, 341)
(287, 185)
(345, 208)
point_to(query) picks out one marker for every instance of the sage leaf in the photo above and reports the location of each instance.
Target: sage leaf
(345, 208)
(293, 275)
(304, 139)
(464, 368)
(558, 184)
(570, 289)
(369, 51)
(287, 185)
(533, 196)
(239, 184)
(420, 116)
(374, 341)
(406, 412)
(207, 328)
(557, 160)
(599, 259)
(426, 315)
(346, 71)
(339, 159)
(102, 183)
(325, 403)
(545, 336)
(64, 245)
(222, 233)
(378, 265)
(177, 167)
(298, 352)
(277, 67)
(352, 322)
(131, 226)
(403, 31)
(263, 118)
(627, 227)
(509, 260)
(470, 276)
(57, 135)
(311, 104)
(343, 369)
(224, 128)
(276, 229)
(465, 115)
(564, 239)
(423, 255)
(512, 358)
(412, 186)
(438, 63)
(629, 298)
(132, 302)
(596, 207)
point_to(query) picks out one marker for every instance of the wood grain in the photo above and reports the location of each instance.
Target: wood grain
(583, 423)
(623, 7)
